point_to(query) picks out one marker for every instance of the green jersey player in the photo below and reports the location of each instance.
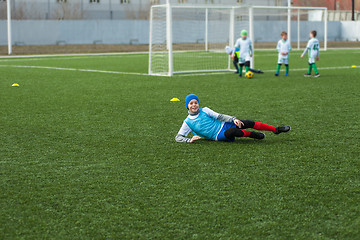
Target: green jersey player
(314, 51)
(245, 53)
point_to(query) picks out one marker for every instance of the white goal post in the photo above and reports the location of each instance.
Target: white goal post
(8, 7)
(191, 38)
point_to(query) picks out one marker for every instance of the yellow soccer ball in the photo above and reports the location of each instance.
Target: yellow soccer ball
(249, 74)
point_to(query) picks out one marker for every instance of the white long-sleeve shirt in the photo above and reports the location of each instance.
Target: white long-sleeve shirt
(245, 47)
(185, 129)
(313, 48)
(283, 47)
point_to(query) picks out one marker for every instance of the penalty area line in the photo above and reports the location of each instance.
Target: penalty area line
(265, 71)
(145, 74)
(319, 68)
(73, 54)
(77, 70)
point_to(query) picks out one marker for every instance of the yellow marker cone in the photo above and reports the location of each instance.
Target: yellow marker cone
(353, 66)
(174, 100)
(15, 85)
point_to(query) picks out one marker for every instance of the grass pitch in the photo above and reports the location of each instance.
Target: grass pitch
(91, 154)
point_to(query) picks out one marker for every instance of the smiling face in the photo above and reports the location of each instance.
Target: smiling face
(193, 106)
(284, 37)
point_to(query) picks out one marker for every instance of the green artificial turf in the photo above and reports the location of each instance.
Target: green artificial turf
(92, 155)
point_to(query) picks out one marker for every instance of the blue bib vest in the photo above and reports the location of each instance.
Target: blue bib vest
(204, 125)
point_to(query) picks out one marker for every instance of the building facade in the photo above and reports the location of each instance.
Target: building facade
(104, 9)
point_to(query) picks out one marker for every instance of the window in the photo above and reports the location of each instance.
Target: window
(278, 2)
(94, 1)
(239, 1)
(155, 2)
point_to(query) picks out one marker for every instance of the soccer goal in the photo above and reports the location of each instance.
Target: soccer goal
(192, 38)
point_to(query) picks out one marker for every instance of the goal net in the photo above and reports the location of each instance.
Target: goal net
(270, 21)
(184, 39)
(192, 38)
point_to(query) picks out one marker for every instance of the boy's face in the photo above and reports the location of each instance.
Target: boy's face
(284, 37)
(193, 106)
(311, 36)
(244, 36)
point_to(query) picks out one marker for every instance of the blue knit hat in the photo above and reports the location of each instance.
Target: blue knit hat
(190, 97)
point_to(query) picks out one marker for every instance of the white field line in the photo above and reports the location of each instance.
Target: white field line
(145, 74)
(90, 55)
(74, 54)
(320, 68)
(100, 56)
(296, 69)
(295, 49)
(132, 53)
(39, 58)
(292, 54)
(55, 58)
(76, 69)
(85, 55)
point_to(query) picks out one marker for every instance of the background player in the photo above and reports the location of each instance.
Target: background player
(205, 123)
(314, 52)
(245, 53)
(283, 47)
(235, 59)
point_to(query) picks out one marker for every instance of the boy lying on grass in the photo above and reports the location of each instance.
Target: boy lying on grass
(205, 123)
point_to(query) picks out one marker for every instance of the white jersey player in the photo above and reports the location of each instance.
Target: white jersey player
(284, 48)
(313, 48)
(314, 52)
(243, 51)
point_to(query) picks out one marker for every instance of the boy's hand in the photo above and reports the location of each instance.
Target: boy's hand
(238, 123)
(284, 53)
(232, 56)
(302, 56)
(317, 58)
(194, 138)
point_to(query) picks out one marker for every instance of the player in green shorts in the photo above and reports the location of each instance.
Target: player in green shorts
(314, 51)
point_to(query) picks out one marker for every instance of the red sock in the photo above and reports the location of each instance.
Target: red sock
(246, 133)
(263, 126)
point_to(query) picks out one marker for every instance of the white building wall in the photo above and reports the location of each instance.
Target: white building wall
(51, 32)
(105, 9)
(350, 31)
